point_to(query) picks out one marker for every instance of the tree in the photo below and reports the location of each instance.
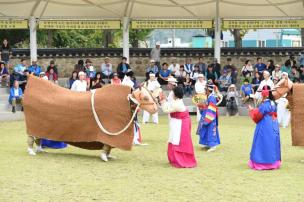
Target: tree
(15, 37)
(135, 36)
(238, 35)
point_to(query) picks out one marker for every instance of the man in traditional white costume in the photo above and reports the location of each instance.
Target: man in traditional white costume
(200, 88)
(152, 85)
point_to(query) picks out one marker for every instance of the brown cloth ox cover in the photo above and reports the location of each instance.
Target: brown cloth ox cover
(297, 115)
(56, 113)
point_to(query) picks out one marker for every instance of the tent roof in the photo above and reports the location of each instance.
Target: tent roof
(154, 9)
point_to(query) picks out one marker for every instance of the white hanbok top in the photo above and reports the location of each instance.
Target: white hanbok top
(152, 85)
(127, 81)
(200, 87)
(79, 86)
(175, 125)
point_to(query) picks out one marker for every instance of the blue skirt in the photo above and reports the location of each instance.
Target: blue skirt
(53, 144)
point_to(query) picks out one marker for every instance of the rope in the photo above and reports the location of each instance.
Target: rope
(99, 123)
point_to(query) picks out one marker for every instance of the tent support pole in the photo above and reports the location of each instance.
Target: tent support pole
(33, 38)
(125, 36)
(217, 33)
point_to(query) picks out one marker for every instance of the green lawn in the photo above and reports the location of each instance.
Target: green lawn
(144, 174)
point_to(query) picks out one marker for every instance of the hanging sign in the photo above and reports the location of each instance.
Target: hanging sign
(13, 24)
(171, 24)
(79, 24)
(262, 24)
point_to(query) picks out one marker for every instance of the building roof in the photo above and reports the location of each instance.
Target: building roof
(85, 9)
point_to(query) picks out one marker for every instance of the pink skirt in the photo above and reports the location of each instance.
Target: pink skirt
(180, 159)
(264, 166)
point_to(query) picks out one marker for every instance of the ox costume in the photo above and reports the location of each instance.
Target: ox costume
(266, 149)
(180, 148)
(208, 125)
(91, 108)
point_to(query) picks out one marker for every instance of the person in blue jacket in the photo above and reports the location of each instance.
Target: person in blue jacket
(16, 96)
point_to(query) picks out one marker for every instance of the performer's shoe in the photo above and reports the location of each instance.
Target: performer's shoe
(40, 150)
(103, 156)
(14, 109)
(31, 152)
(212, 149)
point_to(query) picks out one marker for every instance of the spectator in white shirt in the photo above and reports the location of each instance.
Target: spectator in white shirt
(152, 85)
(266, 82)
(81, 84)
(174, 66)
(106, 69)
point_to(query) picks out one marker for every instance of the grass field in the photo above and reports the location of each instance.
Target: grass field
(144, 174)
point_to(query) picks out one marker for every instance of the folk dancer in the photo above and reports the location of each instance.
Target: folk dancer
(180, 148)
(266, 148)
(208, 126)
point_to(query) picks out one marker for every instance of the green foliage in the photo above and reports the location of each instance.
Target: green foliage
(135, 36)
(17, 38)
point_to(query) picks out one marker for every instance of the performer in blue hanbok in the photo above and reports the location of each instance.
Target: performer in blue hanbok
(208, 126)
(266, 147)
(53, 144)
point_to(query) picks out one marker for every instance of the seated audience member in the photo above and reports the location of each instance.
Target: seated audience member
(115, 80)
(194, 74)
(174, 67)
(152, 68)
(270, 66)
(180, 75)
(73, 78)
(97, 81)
(231, 69)
(232, 100)
(202, 65)
(106, 69)
(4, 74)
(302, 73)
(152, 85)
(88, 64)
(52, 76)
(246, 90)
(224, 81)
(34, 68)
(52, 66)
(247, 70)
(286, 67)
(43, 76)
(81, 84)
(295, 74)
(23, 80)
(164, 74)
(188, 66)
(216, 67)
(90, 73)
(79, 66)
(211, 75)
(277, 73)
(19, 70)
(16, 96)
(259, 66)
(256, 81)
(188, 86)
(122, 68)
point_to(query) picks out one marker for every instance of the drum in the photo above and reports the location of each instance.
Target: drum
(199, 99)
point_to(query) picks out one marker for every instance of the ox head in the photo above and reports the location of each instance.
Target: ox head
(145, 99)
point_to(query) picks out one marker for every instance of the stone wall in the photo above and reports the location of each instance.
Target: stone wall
(139, 64)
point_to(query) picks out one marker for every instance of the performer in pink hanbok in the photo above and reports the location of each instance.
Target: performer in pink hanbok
(180, 147)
